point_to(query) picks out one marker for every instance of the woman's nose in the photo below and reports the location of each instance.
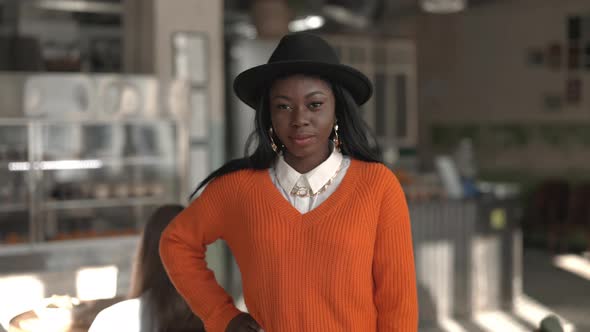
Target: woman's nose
(299, 117)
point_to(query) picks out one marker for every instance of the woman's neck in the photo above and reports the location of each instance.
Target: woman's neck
(306, 164)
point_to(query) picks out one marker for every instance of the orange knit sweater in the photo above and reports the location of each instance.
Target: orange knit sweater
(346, 265)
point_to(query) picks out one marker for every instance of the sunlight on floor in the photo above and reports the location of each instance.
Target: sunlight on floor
(575, 264)
(494, 321)
(450, 325)
(533, 312)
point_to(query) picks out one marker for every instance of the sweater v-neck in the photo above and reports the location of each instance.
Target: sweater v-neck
(298, 219)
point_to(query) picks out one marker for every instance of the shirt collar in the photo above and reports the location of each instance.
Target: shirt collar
(317, 177)
(286, 175)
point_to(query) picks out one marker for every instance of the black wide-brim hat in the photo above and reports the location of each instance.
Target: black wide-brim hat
(301, 53)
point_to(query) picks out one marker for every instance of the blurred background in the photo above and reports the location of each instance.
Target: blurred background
(111, 108)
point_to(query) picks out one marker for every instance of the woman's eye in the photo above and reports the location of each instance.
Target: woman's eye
(315, 105)
(284, 107)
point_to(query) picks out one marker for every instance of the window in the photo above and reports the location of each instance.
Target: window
(391, 64)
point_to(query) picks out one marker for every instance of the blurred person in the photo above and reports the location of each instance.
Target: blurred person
(154, 305)
(319, 227)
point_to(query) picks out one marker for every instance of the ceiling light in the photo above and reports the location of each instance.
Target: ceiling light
(443, 6)
(306, 23)
(23, 166)
(345, 16)
(100, 7)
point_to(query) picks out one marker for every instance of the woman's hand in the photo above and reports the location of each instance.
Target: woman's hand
(243, 323)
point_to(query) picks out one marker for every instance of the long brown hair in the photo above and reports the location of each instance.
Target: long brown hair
(167, 307)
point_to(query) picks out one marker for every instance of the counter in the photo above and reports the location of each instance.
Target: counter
(468, 256)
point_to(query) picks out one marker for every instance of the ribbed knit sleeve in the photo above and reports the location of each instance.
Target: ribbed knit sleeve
(182, 249)
(393, 263)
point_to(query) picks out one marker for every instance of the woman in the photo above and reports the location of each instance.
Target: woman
(318, 226)
(154, 304)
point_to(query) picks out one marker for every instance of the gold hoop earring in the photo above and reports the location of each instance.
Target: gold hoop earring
(336, 139)
(274, 147)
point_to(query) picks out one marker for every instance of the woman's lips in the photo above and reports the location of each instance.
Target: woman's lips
(302, 140)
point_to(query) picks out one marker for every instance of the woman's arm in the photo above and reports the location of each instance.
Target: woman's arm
(393, 263)
(182, 249)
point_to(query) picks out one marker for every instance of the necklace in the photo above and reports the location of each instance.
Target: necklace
(305, 191)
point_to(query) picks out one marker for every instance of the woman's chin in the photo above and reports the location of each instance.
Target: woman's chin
(312, 152)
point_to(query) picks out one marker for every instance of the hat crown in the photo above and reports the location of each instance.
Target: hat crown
(304, 47)
(301, 53)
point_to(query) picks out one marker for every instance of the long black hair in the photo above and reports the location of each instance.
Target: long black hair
(356, 139)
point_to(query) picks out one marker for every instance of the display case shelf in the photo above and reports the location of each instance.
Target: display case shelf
(95, 163)
(13, 207)
(105, 203)
(135, 161)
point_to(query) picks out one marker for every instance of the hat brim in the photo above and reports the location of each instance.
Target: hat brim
(250, 84)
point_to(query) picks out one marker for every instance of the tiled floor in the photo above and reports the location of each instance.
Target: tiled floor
(565, 293)
(547, 289)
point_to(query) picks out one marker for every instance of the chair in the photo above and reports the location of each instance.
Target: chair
(579, 212)
(550, 324)
(548, 210)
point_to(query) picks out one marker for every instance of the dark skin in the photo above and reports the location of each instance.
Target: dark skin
(302, 112)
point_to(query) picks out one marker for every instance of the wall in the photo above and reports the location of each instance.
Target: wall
(245, 53)
(149, 28)
(475, 78)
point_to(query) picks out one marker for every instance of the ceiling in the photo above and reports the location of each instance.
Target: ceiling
(339, 14)
(343, 14)
(86, 12)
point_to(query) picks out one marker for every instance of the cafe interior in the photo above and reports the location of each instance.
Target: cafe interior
(481, 108)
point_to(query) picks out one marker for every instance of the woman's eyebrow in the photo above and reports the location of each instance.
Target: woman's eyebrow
(313, 93)
(281, 97)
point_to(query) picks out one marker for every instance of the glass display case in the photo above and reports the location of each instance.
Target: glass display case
(97, 172)
(15, 220)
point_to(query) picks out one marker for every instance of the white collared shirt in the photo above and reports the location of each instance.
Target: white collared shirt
(285, 178)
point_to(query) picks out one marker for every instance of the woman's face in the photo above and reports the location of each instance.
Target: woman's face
(303, 115)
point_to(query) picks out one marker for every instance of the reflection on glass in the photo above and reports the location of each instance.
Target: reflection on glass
(55, 165)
